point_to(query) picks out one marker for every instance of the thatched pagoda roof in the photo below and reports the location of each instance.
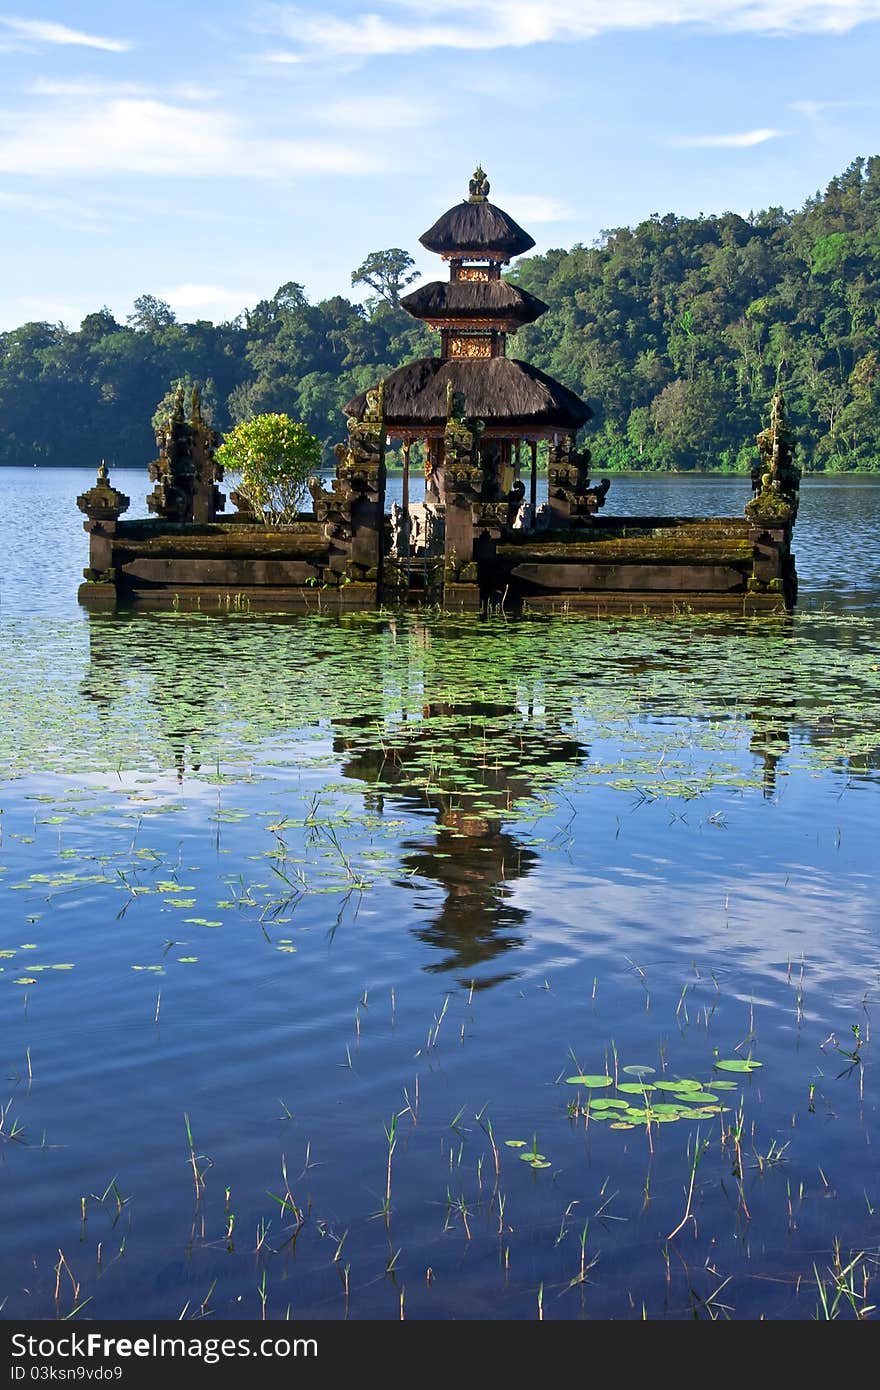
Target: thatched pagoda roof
(500, 391)
(477, 230)
(466, 299)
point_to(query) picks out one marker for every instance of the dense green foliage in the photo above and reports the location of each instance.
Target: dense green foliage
(675, 332)
(269, 460)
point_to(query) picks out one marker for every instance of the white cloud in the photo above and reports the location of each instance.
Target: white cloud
(91, 87)
(37, 309)
(46, 31)
(34, 203)
(86, 87)
(375, 113)
(815, 108)
(741, 140)
(65, 212)
(209, 301)
(282, 57)
(412, 25)
(129, 135)
(533, 207)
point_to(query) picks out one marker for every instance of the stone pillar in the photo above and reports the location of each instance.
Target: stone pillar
(363, 470)
(773, 509)
(353, 511)
(103, 505)
(572, 501)
(533, 483)
(463, 485)
(773, 568)
(207, 499)
(185, 472)
(434, 471)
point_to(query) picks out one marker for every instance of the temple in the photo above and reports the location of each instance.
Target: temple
(474, 416)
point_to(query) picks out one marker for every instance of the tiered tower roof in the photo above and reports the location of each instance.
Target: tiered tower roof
(444, 302)
(474, 311)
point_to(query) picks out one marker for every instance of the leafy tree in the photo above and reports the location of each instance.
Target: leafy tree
(150, 314)
(386, 272)
(270, 459)
(675, 330)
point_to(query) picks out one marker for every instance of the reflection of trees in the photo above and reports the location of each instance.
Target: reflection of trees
(458, 721)
(473, 860)
(118, 663)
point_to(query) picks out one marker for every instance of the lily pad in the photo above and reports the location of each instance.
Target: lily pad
(592, 1081)
(738, 1064)
(640, 1071)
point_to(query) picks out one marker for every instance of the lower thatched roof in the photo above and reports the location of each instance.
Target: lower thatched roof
(499, 391)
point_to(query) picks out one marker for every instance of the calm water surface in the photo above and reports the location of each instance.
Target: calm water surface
(291, 878)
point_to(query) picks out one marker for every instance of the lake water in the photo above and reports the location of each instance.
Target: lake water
(324, 890)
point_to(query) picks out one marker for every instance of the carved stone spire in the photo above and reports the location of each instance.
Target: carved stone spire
(103, 502)
(775, 476)
(185, 472)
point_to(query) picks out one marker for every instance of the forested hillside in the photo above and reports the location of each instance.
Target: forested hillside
(675, 332)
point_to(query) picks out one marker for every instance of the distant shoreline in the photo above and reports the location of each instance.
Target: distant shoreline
(612, 473)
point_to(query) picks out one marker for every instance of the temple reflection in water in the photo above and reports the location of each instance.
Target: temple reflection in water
(475, 858)
(410, 729)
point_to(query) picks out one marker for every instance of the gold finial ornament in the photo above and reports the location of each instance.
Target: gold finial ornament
(478, 188)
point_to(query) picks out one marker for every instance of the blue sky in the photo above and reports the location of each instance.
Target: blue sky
(209, 152)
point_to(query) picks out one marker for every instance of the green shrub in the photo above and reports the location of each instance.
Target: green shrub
(269, 460)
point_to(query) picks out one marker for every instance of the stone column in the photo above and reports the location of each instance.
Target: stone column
(353, 511)
(103, 505)
(463, 483)
(364, 472)
(773, 509)
(207, 499)
(185, 472)
(572, 500)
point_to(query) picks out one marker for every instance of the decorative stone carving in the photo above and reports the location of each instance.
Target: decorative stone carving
(772, 510)
(471, 346)
(776, 477)
(572, 501)
(103, 505)
(351, 511)
(463, 468)
(185, 473)
(478, 187)
(103, 502)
